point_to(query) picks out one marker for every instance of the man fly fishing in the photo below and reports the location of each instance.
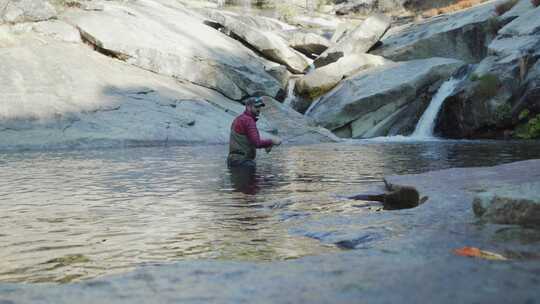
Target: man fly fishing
(245, 138)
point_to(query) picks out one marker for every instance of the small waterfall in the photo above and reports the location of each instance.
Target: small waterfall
(246, 5)
(426, 124)
(310, 68)
(290, 93)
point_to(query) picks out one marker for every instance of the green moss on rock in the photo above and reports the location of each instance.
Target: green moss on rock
(530, 129)
(486, 85)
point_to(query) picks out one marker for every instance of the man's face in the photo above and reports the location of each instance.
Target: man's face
(255, 110)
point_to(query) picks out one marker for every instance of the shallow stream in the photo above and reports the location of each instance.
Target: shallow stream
(72, 215)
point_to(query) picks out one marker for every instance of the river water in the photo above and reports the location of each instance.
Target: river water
(73, 215)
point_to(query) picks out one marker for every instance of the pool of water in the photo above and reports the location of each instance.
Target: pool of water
(73, 215)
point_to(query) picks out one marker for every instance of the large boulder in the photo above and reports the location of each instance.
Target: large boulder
(506, 84)
(520, 8)
(66, 95)
(358, 41)
(526, 24)
(368, 98)
(142, 33)
(322, 80)
(17, 11)
(510, 204)
(463, 35)
(269, 44)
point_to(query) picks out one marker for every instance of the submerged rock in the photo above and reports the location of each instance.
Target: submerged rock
(516, 204)
(368, 98)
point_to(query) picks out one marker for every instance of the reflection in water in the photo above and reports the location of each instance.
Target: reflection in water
(244, 180)
(80, 214)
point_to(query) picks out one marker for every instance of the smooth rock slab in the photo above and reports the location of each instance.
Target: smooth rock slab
(518, 204)
(463, 35)
(15, 11)
(526, 24)
(188, 49)
(270, 44)
(323, 79)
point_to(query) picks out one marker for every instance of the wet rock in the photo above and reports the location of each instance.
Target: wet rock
(517, 204)
(398, 197)
(463, 35)
(356, 242)
(25, 11)
(401, 198)
(358, 41)
(490, 103)
(189, 50)
(361, 102)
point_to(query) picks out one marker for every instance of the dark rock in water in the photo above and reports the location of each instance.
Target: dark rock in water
(401, 198)
(354, 243)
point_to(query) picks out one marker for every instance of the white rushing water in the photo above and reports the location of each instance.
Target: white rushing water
(246, 4)
(290, 93)
(426, 124)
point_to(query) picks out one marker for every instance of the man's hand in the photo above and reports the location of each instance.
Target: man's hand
(276, 141)
(268, 149)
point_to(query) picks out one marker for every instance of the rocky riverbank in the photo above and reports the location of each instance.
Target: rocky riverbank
(70, 82)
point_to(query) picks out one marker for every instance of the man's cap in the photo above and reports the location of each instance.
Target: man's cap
(255, 101)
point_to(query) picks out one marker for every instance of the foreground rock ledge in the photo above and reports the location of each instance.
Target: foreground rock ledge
(506, 194)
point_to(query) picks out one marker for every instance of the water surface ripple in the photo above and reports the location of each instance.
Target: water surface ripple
(72, 215)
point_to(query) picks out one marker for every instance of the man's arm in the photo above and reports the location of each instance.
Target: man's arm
(254, 137)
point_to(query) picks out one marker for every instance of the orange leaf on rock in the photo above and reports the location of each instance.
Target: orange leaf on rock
(476, 252)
